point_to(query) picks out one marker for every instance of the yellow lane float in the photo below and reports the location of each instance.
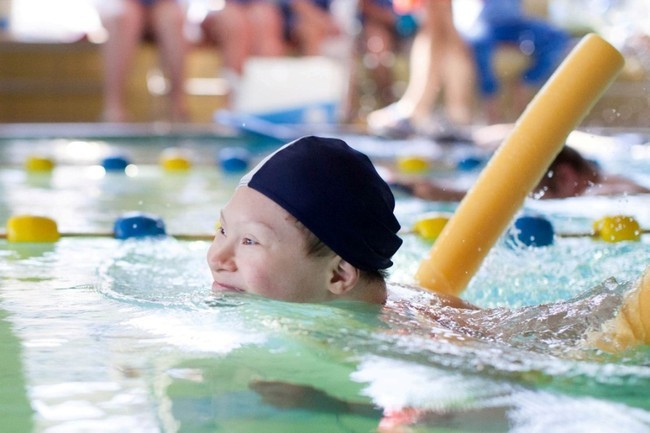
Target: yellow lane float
(175, 159)
(617, 228)
(40, 229)
(30, 228)
(40, 164)
(431, 226)
(412, 164)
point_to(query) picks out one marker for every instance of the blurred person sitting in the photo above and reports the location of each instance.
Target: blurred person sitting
(127, 22)
(440, 63)
(241, 29)
(569, 175)
(383, 33)
(506, 22)
(308, 24)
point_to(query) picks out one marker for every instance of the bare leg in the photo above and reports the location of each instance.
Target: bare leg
(229, 29)
(439, 60)
(379, 50)
(124, 25)
(168, 21)
(266, 30)
(457, 68)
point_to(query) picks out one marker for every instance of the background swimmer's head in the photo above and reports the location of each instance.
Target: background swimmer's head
(569, 175)
(336, 193)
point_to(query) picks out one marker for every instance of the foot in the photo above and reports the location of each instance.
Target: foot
(390, 122)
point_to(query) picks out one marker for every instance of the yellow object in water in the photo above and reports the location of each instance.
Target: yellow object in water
(519, 164)
(631, 326)
(175, 159)
(39, 164)
(29, 228)
(412, 164)
(617, 228)
(176, 163)
(430, 227)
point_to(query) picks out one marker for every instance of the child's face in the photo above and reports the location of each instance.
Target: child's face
(261, 249)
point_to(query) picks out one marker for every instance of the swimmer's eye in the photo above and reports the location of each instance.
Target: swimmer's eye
(221, 231)
(248, 241)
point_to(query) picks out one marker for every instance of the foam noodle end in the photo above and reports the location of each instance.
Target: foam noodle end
(631, 326)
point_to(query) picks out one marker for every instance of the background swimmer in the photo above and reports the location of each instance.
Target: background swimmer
(570, 175)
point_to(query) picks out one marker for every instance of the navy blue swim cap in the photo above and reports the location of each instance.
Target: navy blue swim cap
(336, 193)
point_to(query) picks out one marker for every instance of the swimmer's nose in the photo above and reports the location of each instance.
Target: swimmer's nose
(220, 256)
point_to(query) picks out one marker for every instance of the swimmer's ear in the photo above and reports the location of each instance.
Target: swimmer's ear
(343, 278)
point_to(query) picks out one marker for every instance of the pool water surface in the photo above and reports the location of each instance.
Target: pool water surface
(108, 335)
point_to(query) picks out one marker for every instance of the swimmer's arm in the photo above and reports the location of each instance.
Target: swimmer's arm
(455, 302)
(428, 190)
(616, 185)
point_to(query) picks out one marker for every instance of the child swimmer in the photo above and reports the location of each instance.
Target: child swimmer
(569, 175)
(314, 222)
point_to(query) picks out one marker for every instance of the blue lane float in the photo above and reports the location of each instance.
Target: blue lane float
(115, 163)
(138, 225)
(531, 231)
(470, 163)
(234, 159)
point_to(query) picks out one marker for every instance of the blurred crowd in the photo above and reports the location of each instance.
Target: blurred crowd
(447, 78)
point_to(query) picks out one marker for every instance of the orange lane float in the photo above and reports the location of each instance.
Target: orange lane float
(518, 165)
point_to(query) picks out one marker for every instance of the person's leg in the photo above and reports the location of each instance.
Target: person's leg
(424, 75)
(439, 58)
(167, 20)
(124, 24)
(311, 25)
(266, 24)
(229, 29)
(456, 65)
(378, 53)
(397, 119)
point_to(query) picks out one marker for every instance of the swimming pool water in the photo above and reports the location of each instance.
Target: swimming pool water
(125, 335)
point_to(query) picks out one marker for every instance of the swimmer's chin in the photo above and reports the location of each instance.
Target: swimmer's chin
(224, 288)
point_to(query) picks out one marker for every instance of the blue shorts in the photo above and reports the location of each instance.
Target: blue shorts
(546, 44)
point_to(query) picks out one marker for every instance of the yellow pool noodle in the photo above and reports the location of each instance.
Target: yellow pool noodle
(519, 164)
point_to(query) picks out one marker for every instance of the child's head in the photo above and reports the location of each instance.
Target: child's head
(312, 222)
(569, 175)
